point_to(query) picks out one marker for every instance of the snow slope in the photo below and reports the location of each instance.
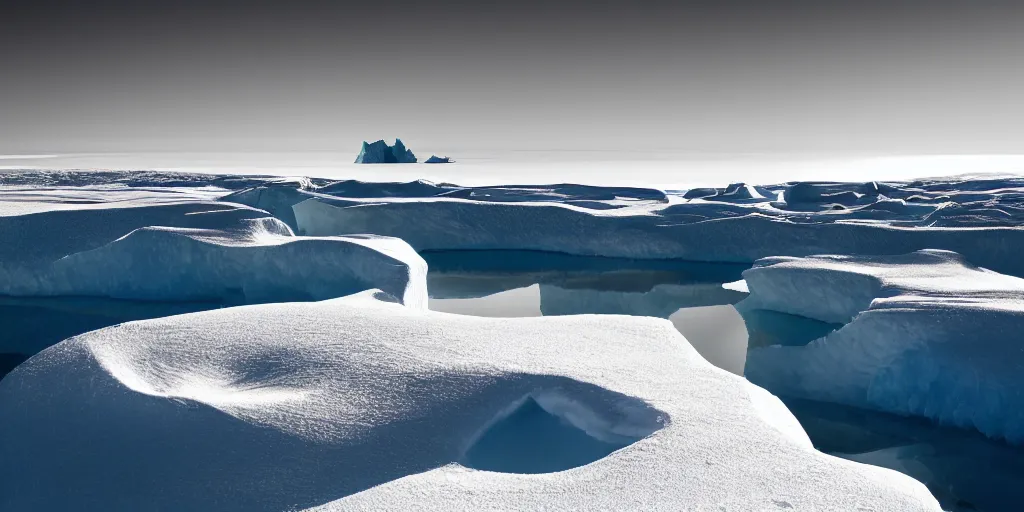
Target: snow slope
(926, 334)
(355, 403)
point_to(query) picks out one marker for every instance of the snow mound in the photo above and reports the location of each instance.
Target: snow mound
(356, 403)
(381, 153)
(195, 251)
(926, 334)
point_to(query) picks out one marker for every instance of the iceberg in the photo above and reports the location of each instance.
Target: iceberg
(196, 251)
(921, 334)
(362, 403)
(80, 267)
(434, 159)
(381, 153)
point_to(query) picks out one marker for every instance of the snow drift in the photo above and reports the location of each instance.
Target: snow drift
(926, 334)
(355, 403)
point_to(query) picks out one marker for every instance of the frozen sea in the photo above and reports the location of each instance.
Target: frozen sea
(963, 469)
(658, 168)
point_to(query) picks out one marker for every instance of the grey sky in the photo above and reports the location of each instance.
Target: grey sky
(929, 77)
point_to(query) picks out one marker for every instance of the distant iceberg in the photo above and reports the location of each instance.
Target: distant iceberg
(434, 159)
(381, 153)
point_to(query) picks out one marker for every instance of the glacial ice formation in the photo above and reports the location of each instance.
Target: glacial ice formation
(925, 334)
(355, 403)
(737, 224)
(195, 251)
(434, 159)
(381, 153)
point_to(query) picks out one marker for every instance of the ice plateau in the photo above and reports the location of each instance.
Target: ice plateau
(363, 404)
(922, 334)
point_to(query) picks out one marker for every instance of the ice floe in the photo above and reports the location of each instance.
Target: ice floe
(924, 334)
(195, 251)
(358, 403)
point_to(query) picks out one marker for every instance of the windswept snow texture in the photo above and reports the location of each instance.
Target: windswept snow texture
(926, 334)
(355, 403)
(381, 153)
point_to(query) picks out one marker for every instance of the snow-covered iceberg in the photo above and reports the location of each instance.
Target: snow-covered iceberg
(381, 153)
(195, 251)
(924, 334)
(697, 229)
(355, 403)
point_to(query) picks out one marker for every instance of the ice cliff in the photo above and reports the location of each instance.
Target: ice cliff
(922, 334)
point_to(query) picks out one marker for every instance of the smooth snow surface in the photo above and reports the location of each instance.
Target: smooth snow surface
(355, 403)
(926, 334)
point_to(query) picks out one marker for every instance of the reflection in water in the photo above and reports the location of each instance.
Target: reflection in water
(514, 303)
(703, 312)
(532, 283)
(965, 470)
(717, 332)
